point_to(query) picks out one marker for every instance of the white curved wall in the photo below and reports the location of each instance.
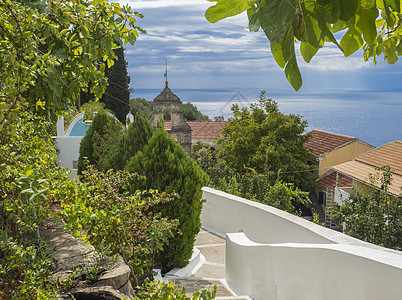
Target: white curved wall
(311, 271)
(291, 258)
(224, 213)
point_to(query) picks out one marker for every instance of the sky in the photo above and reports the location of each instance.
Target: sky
(225, 55)
(222, 61)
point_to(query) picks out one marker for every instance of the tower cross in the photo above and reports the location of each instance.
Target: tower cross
(166, 73)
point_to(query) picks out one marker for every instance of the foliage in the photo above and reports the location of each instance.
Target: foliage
(206, 157)
(266, 140)
(26, 158)
(116, 219)
(28, 179)
(91, 108)
(161, 290)
(130, 142)
(249, 184)
(373, 26)
(24, 271)
(103, 133)
(116, 96)
(68, 115)
(191, 113)
(50, 50)
(145, 107)
(219, 118)
(142, 107)
(374, 215)
(167, 167)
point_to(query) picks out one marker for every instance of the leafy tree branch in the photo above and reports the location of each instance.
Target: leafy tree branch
(370, 25)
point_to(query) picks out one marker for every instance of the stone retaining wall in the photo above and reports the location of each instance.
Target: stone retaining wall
(68, 254)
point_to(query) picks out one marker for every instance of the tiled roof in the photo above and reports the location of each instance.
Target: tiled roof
(388, 154)
(329, 181)
(322, 141)
(364, 165)
(203, 129)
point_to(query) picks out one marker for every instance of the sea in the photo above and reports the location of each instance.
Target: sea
(372, 116)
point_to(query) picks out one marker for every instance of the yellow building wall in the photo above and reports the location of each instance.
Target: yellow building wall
(342, 155)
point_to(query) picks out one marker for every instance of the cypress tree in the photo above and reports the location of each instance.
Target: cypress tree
(167, 167)
(117, 93)
(100, 136)
(131, 141)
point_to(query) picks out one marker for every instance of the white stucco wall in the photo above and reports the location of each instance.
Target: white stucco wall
(311, 271)
(271, 254)
(69, 147)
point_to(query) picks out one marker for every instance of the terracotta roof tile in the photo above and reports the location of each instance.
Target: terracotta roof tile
(203, 129)
(329, 181)
(388, 154)
(361, 172)
(322, 141)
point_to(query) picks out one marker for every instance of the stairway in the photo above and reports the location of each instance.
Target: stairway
(315, 207)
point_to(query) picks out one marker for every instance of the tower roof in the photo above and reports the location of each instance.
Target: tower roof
(167, 96)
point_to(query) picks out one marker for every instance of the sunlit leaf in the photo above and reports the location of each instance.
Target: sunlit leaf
(307, 51)
(366, 24)
(292, 73)
(226, 8)
(351, 42)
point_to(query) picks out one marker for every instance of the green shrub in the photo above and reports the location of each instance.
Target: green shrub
(249, 184)
(115, 219)
(100, 136)
(167, 167)
(160, 290)
(28, 175)
(373, 215)
(24, 270)
(130, 142)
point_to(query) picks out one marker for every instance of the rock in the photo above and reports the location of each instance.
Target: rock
(128, 290)
(68, 253)
(116, 276)
(98, 293)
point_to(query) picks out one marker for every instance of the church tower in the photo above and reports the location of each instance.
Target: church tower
(179, 129)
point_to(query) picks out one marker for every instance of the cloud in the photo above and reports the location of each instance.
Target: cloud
(204, 55)
(142, 4)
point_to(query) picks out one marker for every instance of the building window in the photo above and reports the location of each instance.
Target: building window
(322, 198)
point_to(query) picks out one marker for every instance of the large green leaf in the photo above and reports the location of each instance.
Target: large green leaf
(332, 12)
(277, 52)
(253, 21)
(307, 51)
(288, 46)
(347, 9)
(351, 42)
(393, 4)
(226, 8)
(292, 73)
(366, 24)
(308, 28)
(284, 51)
(275, 16)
